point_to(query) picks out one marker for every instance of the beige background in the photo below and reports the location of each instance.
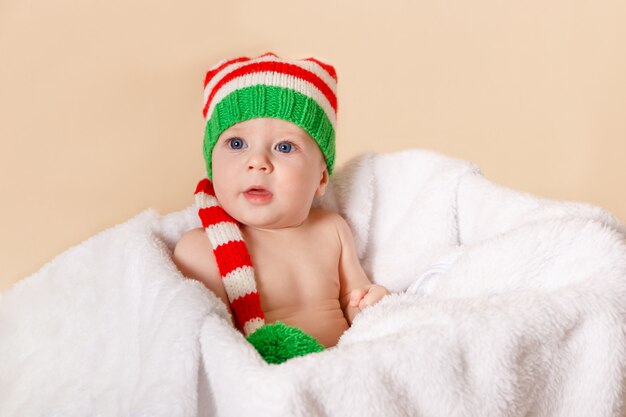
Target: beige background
(100, 102)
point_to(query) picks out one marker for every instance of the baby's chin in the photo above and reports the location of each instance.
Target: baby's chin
(270, 222)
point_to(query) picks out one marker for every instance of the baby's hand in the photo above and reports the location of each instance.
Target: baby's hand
(364, 297)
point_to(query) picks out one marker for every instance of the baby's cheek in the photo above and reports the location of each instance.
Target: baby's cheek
(297, 189)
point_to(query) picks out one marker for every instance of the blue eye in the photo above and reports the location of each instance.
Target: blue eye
(284, 147)
(236, 143)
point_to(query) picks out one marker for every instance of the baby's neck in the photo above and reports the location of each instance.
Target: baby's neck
(273, 231)
(269, 231)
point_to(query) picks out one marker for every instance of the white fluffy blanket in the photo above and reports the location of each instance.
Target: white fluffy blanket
(515, 306)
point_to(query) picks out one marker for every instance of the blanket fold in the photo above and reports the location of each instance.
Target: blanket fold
(108, 327)
(523, 313)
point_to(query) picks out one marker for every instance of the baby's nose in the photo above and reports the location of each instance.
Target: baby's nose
(260, 162)
(258, 166)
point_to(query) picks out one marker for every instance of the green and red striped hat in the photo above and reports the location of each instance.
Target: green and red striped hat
(302, 91)
(232, 258)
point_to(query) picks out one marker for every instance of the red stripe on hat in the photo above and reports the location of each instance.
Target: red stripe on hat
(246, 308)
(231, 255)
(279, 67)
(214, 215)
(329, 68)
(210, 74)
(205, 186)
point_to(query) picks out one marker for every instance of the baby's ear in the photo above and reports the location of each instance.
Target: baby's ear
(321, 189)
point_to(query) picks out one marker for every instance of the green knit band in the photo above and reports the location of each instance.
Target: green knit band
(269, 101)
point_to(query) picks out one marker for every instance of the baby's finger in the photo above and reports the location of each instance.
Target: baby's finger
(370, 298)
(356, 296)
(365, 301)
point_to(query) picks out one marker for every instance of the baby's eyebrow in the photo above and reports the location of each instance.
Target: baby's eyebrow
(291, 136)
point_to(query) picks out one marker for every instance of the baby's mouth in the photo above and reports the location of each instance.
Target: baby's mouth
(258, 194)
(257, 191)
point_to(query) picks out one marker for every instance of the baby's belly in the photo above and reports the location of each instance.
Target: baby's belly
(324, 320)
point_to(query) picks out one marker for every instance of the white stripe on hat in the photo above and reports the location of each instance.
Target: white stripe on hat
(204, 200)
(314, 67)
(252, 325)
(278, 80)
(239, 282)
(223, 232)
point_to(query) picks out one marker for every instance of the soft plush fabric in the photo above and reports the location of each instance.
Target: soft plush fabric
(516, 306)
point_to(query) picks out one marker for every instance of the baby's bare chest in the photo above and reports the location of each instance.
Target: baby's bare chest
(296, 271)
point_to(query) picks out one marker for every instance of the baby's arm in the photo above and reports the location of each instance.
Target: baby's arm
(356, 290)
(193, 256)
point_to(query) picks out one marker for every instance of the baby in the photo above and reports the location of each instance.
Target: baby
(269, 148)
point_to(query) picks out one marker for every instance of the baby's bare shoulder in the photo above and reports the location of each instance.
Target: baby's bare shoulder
(327, 218)
(193, 255)
(193, 240)
(332, 222)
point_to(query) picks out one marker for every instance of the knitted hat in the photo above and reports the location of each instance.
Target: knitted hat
(232, 258)
(303, 92)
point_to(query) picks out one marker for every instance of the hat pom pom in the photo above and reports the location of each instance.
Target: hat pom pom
(278, 342)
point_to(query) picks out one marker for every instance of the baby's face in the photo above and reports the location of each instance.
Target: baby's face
(266, 172)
